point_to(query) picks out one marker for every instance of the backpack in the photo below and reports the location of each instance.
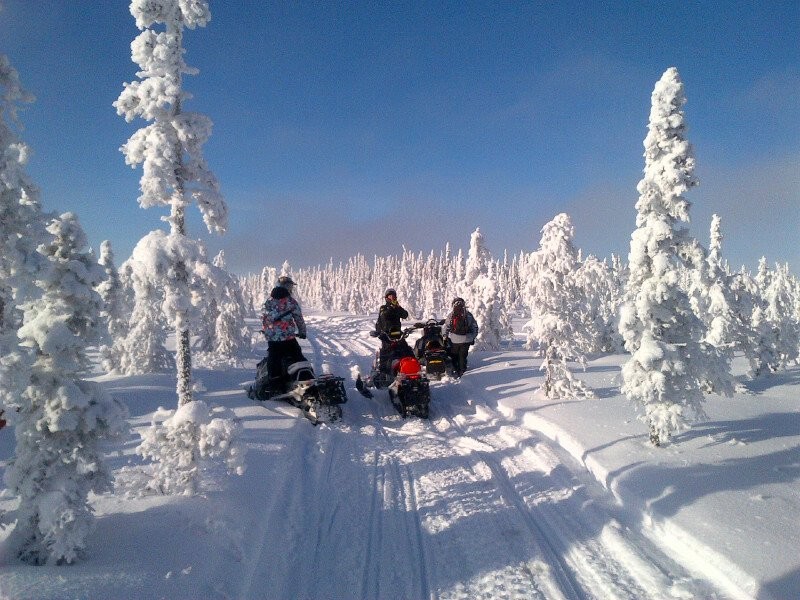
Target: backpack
(458, 324)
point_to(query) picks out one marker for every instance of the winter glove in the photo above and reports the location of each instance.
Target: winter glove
(302, 335)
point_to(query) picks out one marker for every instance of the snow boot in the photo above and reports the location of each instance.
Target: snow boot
(362, 389)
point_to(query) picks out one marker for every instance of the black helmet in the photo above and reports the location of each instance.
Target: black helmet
(285, 281)
(458, 302)
(389, 292)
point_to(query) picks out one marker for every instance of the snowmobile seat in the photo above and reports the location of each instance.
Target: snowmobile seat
(300, 371)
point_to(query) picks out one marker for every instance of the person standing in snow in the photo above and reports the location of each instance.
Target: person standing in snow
(388, 326)
(390, 313)
(283, 323)
(459, 332)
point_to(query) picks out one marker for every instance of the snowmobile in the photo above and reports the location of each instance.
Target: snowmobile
(430, 350)
(319, 397)
(396, 369)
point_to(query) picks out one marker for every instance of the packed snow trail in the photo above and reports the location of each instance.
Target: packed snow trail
(468, 504)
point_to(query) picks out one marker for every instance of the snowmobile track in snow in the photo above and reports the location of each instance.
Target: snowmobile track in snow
(468, 504)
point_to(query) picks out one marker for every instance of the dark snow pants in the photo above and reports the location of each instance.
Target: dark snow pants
(278, 352)
(458, 354)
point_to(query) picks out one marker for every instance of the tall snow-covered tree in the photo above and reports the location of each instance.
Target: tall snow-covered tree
(21, 230)
(773, 325)
(716, 303)
(228, 334)
(669, 362)
(269, 275)
(143, 349)
(60, 418)
(175, 174)
(779, 313)
(755, 335)
(479, 290)
(116, 311)
(555, 302)
(601, 299)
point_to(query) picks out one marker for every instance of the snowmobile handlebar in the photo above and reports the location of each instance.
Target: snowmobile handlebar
(382, 335)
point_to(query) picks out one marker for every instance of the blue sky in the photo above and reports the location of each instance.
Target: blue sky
(361, 127)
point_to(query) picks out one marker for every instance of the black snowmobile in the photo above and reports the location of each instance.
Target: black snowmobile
(430, 350)
(396, 369)
(319, 397)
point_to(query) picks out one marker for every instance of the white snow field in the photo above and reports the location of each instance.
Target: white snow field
(502, 494)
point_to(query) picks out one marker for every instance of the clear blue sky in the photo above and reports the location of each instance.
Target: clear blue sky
(362, 127)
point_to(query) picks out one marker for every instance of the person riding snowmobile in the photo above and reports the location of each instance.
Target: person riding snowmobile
(283, 323)
(460, 330)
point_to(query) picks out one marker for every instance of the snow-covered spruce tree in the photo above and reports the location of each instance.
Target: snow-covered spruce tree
(61, 419)
(269, 275)
(179, 442)
(408, 283)
(555, 302)
(601, 301)
(669, 362)
(21, 230)
(725, 310)
(479, 291)
(143, 350)
(286, 269)
(716, 302)
(170, 150)
(704, 293)
(755, 340)
(490, 311)
(229, 333)
(205, 286)
(766, 320)
(247, 285)
(115, 312)
(779, 313)
(233, 337)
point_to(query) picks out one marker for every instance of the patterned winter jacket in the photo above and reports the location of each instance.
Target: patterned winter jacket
(472, 329)
(282, 318)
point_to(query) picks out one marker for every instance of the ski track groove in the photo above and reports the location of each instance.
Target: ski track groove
(594, 569)
(550, 539)
(372, 571)
(414, 517)
(564, 575)
(325, 512)
(404, 491)
(290, 487)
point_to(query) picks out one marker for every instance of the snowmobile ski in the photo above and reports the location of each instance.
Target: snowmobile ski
(362, 388)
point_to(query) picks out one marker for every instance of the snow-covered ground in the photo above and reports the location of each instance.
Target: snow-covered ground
(501, 494)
